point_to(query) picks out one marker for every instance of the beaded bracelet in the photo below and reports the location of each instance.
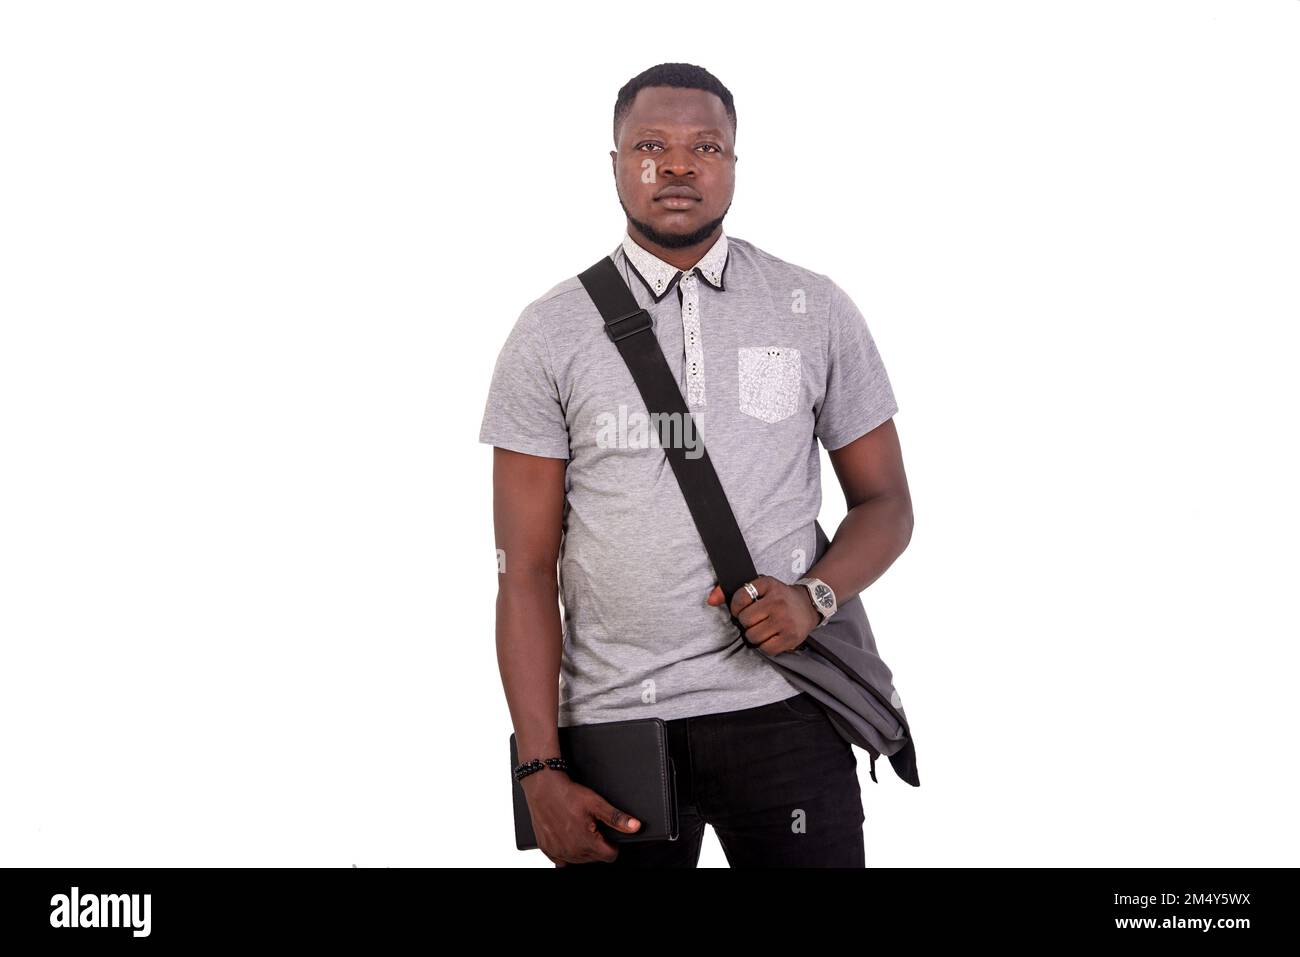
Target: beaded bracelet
(529, 767)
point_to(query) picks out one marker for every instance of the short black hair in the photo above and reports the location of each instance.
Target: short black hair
(684, 75)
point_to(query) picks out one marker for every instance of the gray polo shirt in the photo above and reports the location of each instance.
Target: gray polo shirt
(772, 358)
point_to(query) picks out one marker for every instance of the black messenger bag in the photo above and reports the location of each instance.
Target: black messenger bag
(837, 664)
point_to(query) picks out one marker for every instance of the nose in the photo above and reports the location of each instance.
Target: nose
(677, 161)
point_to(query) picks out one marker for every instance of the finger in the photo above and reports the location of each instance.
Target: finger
(619, 820)
(764, 631)
(758, 611)
(742, 599)
(602, 850)
(597, 847)
(760, 607)
(716, 597)
(777, 646)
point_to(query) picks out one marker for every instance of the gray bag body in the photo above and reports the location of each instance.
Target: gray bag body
(858, 714)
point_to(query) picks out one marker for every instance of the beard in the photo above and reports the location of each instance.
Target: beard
(674, 240)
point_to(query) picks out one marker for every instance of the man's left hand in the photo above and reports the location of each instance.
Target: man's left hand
(778, 620)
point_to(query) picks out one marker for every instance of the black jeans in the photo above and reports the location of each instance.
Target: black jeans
(777, 782)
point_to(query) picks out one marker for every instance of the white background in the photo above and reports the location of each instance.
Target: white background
(257, 260)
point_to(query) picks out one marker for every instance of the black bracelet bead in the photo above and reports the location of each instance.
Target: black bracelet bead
(535, 765)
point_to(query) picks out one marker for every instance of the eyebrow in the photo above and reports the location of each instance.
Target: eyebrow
(646, 131)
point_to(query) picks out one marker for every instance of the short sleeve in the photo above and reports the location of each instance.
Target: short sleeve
(523, 410)
(858, 394)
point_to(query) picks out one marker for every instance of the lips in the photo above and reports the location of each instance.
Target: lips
(678, 195)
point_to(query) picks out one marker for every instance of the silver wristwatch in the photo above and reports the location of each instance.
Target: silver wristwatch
(823, 598)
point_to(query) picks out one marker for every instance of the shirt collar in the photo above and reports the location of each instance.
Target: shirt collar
(660, 277)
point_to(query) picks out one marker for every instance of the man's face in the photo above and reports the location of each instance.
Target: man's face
(675, 165)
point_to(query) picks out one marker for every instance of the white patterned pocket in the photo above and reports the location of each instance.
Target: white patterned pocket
(770, 380)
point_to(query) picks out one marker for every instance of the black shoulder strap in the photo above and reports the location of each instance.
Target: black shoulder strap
(629, 326)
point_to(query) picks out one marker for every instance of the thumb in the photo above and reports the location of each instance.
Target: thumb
(716, 597)
(619, 820)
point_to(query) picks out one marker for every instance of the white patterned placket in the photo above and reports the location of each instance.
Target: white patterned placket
(659, 275)
(692, 339)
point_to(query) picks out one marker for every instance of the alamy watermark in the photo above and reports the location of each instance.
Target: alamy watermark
(652, 430)
(101, 910)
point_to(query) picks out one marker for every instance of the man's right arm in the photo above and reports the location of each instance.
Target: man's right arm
(528, 512)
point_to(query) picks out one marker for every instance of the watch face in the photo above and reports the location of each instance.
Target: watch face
(822, 595)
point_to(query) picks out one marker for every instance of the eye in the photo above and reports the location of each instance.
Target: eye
(641, 145)
(712, 147)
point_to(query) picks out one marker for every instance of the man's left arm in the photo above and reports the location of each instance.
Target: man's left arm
(878, 525)
(874, 533)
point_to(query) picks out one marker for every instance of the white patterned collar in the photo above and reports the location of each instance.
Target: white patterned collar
(660, 277)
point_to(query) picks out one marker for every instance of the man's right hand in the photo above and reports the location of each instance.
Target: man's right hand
(564, 817)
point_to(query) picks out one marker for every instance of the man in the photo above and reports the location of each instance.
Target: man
(770, 357)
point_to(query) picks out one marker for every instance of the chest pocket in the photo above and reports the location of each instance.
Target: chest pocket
(770, 381)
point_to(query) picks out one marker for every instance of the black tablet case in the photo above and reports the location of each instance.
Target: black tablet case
(626, 763)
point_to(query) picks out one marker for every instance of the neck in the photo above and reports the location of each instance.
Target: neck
(682, 257)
